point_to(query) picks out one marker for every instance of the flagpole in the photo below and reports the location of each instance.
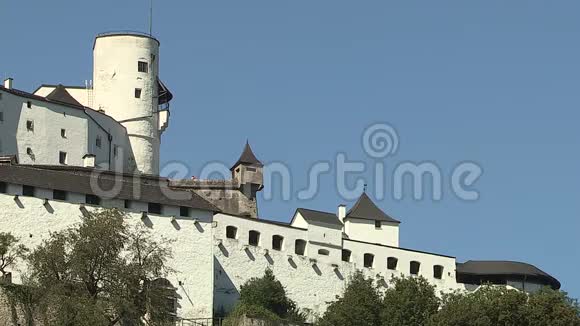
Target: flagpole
(151, 18)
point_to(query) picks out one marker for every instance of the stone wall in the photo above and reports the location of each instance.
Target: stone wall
(227, 195)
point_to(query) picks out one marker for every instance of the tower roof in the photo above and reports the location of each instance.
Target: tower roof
(365, 209)
(247, 158)
(60, 94)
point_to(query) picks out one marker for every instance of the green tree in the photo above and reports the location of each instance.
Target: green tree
(488, 306)
(102, 272)
(360, 305)
(409, 302)
(549, 307)
(265, 297)
(10, 252)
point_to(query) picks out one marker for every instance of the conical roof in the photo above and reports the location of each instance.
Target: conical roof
(248, 158)
(60, 94)
(365, 209)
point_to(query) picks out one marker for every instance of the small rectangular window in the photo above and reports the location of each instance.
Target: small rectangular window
(28, 191)
(62, 158)
(415, 266)
(154, 208)
(184, 211)
(3, 187)
(1, 116)
(250, 169)
(368, 260)
(99, 141)
(137, 92)
(115, 150)
(63, 133)
(58, 195)
(143, 66)
(92, 200)
(29, 125)
(29, 104)
(377, 224)
(127, 204)
(1, 96)
(346, 255)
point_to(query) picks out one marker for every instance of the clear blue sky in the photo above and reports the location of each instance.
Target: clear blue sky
(495, 82)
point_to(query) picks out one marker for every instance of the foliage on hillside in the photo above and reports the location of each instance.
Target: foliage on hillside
(265, 298)
(100, 272)
(413, 302)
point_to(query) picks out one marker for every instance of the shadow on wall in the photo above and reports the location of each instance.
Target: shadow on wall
(225, 292)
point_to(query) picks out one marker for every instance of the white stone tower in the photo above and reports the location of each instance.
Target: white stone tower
(127, 87)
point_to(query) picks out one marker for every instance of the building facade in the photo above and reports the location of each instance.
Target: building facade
(60, 146)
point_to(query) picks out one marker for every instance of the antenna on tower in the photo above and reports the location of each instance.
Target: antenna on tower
(151, 18)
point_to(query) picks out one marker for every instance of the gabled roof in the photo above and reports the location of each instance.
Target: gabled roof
(365, 209)
(318, 216)
(247, 158)
(60, 94)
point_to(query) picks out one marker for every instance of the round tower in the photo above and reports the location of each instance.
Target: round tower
(126, 87)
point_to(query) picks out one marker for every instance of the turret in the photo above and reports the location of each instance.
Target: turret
(127, 87)
(248, 172)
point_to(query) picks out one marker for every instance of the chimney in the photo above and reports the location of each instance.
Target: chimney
(341, 213)
(8, 83)
(89, 160)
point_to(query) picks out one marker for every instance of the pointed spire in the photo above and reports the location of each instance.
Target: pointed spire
(365, 209)
(60, 94)
(247, 157)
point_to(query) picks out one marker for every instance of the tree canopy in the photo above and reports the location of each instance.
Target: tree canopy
(10, 251)
(266, 298)
(413, 302)
(102, 272)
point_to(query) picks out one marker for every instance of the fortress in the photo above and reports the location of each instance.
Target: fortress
(60, 146)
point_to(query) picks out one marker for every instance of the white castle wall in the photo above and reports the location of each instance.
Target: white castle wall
(116, 77)
(82, 129)
(313, 281)
(192, 259)
(365, 230)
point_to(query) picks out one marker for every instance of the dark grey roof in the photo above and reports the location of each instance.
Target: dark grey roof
(78, 180)
(480, 270)
(248, 157)
(164, 94)
(365, 209)
(319, 217)
(60, 94)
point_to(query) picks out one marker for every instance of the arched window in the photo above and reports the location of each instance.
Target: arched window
(392, 263)
(369, 260)
(323, 252)
(415, 267)
(438, 272)
(254, 238)
(231, 232)
(277, 242)
(300, 247)
(346, 255)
